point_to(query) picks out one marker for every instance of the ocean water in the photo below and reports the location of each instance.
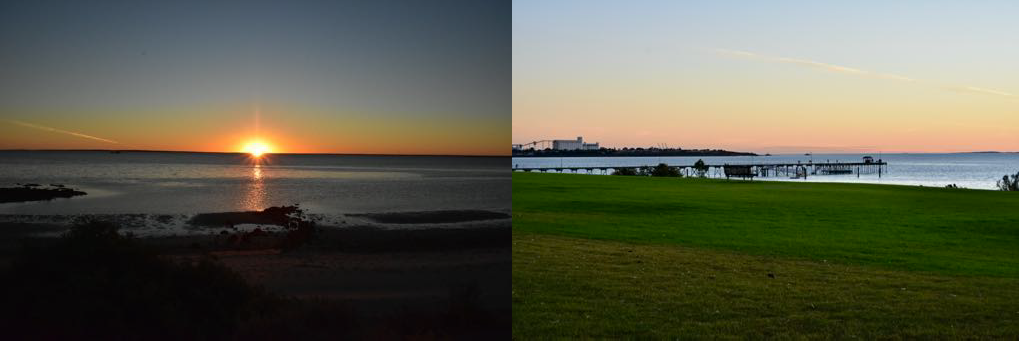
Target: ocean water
(968, 170)
(189, 183)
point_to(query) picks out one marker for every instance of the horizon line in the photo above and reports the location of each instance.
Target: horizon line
(241, 153)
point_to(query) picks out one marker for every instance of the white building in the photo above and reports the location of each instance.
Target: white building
(574, 144)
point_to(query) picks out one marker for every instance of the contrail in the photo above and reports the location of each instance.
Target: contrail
(863, 73)
(816, 65)
(981, 90)
(55, 130)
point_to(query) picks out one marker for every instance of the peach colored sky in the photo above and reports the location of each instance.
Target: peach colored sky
(789, 76)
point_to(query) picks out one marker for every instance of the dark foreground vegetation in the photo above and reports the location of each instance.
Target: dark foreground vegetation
(1009, 183)
(95, 283)
(667, 258)
(627, 152)
(35, 192)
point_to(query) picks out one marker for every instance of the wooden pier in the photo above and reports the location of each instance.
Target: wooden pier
(792, 170)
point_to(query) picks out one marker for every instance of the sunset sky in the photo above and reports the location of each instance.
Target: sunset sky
(392, 77)
(769, 76)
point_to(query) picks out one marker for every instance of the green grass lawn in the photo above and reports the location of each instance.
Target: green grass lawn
(603, 256)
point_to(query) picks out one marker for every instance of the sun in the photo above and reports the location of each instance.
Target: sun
(256, 148)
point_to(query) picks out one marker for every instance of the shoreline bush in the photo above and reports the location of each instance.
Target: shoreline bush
(661, 170)
(1009, 183)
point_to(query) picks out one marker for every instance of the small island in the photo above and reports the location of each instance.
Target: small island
(603, 152)
(36, 192)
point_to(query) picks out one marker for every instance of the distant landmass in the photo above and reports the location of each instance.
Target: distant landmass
(986, 152)
(991, 152)
(119, 151)
(626, 152)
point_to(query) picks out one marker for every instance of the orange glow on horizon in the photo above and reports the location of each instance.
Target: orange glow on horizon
(281, 129)
(256, 148)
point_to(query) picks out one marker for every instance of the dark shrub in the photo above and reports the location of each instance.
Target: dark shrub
(1009, 183)
(625, 171)
(664, 170)
(701, 167)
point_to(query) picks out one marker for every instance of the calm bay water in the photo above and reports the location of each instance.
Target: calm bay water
(188, 183)
(969, 170)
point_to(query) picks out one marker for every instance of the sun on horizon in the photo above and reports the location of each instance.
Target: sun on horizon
(256, 148)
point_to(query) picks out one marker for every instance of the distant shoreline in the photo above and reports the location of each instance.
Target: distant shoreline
(115, 151)
(631, 152)
(777, 154)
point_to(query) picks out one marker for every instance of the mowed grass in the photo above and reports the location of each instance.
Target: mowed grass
(567, 287)
(948, 231)
(601, 256)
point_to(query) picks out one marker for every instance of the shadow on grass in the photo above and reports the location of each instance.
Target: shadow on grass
(94, 283)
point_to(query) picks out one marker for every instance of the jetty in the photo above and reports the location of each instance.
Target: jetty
(748, 170)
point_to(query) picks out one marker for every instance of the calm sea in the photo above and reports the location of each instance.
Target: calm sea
(188, 183)
(969, 170)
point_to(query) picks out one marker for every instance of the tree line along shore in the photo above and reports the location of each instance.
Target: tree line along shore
(609, 152)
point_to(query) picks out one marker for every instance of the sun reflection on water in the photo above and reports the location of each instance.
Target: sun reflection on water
(255, 200)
